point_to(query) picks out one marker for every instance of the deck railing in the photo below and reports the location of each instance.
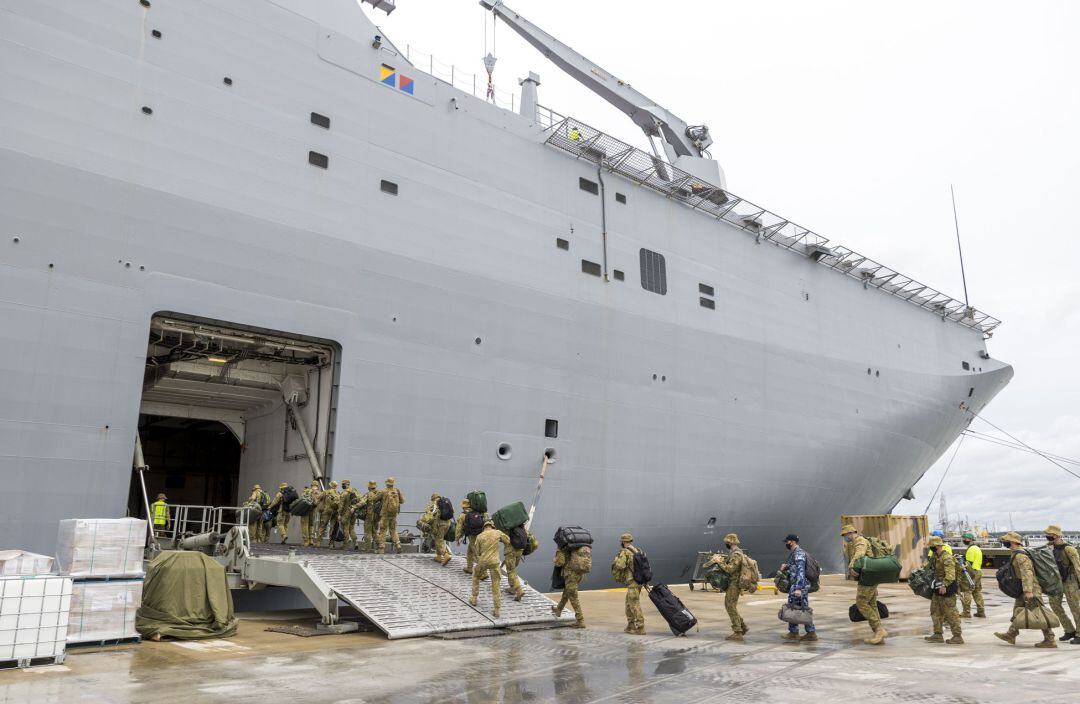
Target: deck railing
(644, 169)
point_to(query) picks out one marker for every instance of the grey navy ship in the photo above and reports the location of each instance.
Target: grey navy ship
(253, 235)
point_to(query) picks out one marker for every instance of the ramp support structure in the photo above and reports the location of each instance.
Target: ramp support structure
(291, 572)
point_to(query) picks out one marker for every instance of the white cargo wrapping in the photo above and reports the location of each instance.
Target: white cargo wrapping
(104, 610)
(33, 616)
(101, 547)
(19, 563)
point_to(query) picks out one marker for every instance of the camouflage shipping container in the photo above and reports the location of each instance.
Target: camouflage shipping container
(908, 533)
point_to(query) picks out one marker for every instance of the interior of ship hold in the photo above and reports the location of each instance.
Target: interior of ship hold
(226, 406)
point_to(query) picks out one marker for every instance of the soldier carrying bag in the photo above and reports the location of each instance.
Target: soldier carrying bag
(795, 615)
(1034, 616)
(474, 524)
(1008, 581)
(855, 616)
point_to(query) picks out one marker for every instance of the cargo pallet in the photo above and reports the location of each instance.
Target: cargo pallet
(23, 663)
(105, 643)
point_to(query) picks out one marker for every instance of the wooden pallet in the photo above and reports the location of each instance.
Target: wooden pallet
(22, 663)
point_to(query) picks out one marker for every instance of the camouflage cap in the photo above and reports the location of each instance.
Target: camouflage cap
(626, 538)
(389, 481)
(731, 538)
(465, 503)
(257, 487)
(372, 484)
(1012, 537)
(434, 495)
(489, 522)
(282, 485)
(848, 528)
(935, 541)
(1053, 530)
(346, 482)
(161, 497)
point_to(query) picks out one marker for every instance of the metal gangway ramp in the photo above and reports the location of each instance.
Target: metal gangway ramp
(405, 596)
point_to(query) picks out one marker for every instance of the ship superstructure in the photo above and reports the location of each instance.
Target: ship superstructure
(254, 235)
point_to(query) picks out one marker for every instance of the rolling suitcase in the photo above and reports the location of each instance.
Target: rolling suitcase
(678, 617)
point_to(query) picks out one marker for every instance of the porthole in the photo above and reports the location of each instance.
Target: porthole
(504, 451)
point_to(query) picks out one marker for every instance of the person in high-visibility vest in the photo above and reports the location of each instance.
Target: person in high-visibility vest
(160, 512)
(575, 134)
(945, 546)
(973, 561)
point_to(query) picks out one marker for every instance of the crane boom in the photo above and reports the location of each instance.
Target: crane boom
(679, 138)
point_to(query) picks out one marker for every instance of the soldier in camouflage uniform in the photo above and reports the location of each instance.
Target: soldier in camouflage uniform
(1068, 563)
(575, 565)
(307, 522)
(512, 558)
(436, 528)
(459, 535)
(258, 531)
(1025, 570)
(282, 514)
(622, 571)
(943, 606)
(487, 562)
(327, 507)
(392, 499)
(731, 564)
(855, 548)
(371, 517)
(346, 514)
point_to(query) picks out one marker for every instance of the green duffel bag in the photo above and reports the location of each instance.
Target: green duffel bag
(878, 570)
(921, 581)
(783, 583)
(477, 501)
(302, 506)
(510, 516)
(451, 532)
(717, 578)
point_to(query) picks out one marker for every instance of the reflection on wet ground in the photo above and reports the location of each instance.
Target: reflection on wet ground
(572, 666)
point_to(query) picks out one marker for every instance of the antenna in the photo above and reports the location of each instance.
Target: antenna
(963, 275)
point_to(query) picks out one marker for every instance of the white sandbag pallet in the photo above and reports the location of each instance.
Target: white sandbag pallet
(103, 611)
(33, 620)
(20, 563)
(101, 547)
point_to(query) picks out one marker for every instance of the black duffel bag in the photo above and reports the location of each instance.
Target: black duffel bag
(558, 583)
(856, 616)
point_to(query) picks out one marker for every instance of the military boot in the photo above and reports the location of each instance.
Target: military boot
(1075, 641)
(579, 623)
(790, 636)
(556, 611)
(809, 637)
(966, 614)
(735, 636)
(955, 640)
(745, 628)
(1007, 637)
(519, 596)
(980, 614)
(936, 638)
(1068, 636)
(878, 638)
(446, 561)
(1047, 643)
(638, 631)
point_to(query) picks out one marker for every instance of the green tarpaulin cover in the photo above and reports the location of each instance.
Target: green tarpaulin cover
(185, 596)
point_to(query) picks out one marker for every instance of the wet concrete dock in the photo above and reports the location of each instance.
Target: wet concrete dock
(600, 664)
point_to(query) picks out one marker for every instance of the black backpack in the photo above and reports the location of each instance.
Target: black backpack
(519, 538)
(338, 534)
(642, 570)
(1008, 582)
(474, 523)
(813, 570)
(446, 508)
(288, 495)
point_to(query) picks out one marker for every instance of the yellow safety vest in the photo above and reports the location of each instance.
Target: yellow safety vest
(974, 556)
(161, 513)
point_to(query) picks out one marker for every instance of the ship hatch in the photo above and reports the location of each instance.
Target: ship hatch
(227, 406)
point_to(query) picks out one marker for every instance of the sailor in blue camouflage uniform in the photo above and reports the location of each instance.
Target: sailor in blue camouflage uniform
(799, 589)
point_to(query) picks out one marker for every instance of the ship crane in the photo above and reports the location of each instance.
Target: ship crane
(685, 145)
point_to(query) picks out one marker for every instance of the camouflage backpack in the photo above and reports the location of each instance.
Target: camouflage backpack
(879, 548)
(749, 576)
(391, 502)
(580, 560)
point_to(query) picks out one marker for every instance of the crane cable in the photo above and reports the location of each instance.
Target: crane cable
(964, 406)
(947, 468)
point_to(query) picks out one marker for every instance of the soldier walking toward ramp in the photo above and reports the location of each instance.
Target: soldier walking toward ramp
(973, 561)
(732, 565)
(256, 504)
(346, 514)
(575, 564)
(857, 547)
(1068, 564)
(438, 526)
(622, 571)
(1025, 571)
(392, 499)
(943, 601)
(327, 507)
(307, 521)
(281, 502)
(368, 506)
(487, 562)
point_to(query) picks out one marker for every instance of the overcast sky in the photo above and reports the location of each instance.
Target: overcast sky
(852, 118)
